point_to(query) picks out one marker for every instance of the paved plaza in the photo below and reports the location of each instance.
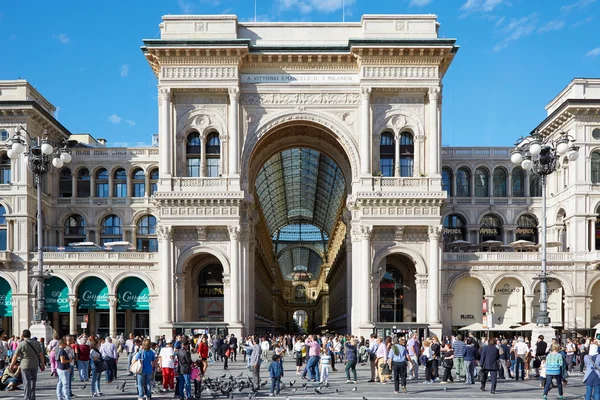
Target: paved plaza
(507, 389)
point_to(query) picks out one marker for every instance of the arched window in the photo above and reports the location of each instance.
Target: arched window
(596, 233)
(3, 229)
(4, 135)
(491, 228)
(65, 183)
(138, 182)
(83, 183)
(535, 186)
(527, 228)
(447, 181)
(386, 154)
(300, 292)
(482, 183)
(146, 234)
(4, 169)
(120, 183)
(407, 154)
(102, 183)
(391, 295)
(518, 182)
(499, 182)
(213, 155)
(74, 229)
(111, 230)
(455, 228)
(596, 167)
(153, 181)
(463, 182)
(192, 151)
(210, 293)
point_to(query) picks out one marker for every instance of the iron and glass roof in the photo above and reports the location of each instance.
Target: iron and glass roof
(300, 192)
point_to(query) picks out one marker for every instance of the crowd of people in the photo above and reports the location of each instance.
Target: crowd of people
(179, 364)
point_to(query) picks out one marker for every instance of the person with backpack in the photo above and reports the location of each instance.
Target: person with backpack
(398, 358)
(144, 380)
(31, 359)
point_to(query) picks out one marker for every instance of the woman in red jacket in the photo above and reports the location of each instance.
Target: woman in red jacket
(203, 352)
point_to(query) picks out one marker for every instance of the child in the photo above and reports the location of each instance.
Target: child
(542, 371)
(325, 364)
(196, 376)
(276, 373)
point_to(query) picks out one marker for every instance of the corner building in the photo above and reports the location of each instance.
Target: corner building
(298, 172)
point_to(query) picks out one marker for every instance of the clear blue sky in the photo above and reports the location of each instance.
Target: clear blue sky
(515, 56)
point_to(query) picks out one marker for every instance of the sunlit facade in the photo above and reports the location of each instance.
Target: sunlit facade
(290, 184)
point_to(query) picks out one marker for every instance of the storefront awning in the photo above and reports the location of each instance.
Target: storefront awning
(57, 295)
(93, 293)
(6, 309)
(133, 294)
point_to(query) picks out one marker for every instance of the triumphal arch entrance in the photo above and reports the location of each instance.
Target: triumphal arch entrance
(299, 181)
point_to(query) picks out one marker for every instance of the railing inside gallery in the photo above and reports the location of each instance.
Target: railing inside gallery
(141, 152)
(506, 256)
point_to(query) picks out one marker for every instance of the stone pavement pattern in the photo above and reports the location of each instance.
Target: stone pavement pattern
(507, 389)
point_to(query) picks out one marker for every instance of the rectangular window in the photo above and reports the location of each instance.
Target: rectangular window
(102, 190)
(139, 190)
(193, 167)
(5, 176)
(83, 188)
(153, 188)
(147, 245)
(3, 239)
(120, 190)
(406, 166)
(386, 166)
(212, 167)
(65, 188)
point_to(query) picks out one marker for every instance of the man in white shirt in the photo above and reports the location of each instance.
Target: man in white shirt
(109, 354)
(166, 360)
(521, 350)
(265, 346)
(129, 347)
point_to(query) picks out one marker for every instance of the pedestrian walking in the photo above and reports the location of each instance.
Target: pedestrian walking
(490, 355)
(427, 354)
(144, 380)
(52, 347)
(448, 364)
(298, 346)
(414, 350)
(63, 367)
(470, 357)
(313, 354)
(32, 358)
(83, 359)
(592, 376)
(325, 365)
(276, 373)
(399, 359)
(110, 355)
(521, 351)
(97, 368)
(166, 361)
(184, 362)
(554, 365)
(255, 360)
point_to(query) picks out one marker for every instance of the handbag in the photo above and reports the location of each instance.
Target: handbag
(100, 365)
(385, 369)
(136, 367)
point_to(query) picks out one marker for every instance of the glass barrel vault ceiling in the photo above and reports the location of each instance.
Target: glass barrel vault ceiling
(300, 192)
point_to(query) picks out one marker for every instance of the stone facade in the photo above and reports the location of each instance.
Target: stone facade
(256, 92)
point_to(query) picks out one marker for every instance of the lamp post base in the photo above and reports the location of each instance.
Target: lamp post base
(547, 331)
(42, 329)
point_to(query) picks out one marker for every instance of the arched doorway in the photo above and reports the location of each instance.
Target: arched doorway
(595, 305)
(467, 298)
(6, 306)
(92, 300)
(301, 321)
(211, 306)
(397, 298)
(555, 302)
(133, 297)
(57, 304)
(508, 302)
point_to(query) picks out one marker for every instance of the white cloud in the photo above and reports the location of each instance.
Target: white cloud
(419, 3)
(130, 122)
(577, 4)
(582, 22)
(124, 70)
(186, 7)
(308, 6)
(499, 22)
(593, 53)
(481, 6)
(514, 30)
(115, 119)
(549, 26)
(63, 38)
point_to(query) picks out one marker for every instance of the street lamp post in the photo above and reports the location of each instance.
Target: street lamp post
(541, 156)
(39, 153)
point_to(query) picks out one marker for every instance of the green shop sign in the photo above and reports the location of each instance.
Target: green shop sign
(6, 309)
(93, 293)
(133, 294)
(57, 295)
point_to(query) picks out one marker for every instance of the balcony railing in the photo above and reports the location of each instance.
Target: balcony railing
(98, 256)
(141, 153)
(103, 201)
(506, 256)
(393, 184)
(193, 184)
(494, 153)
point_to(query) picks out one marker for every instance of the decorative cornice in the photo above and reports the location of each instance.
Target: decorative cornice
(299, 98)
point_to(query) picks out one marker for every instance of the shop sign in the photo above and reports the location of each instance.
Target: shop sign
(555, 301)
(57, 295)
(93, 294)
(210, 291)
(211, 309)
(133, 294)
(526, 231)
(508, 303)
(466, 302)
(488, 231)
(6, 306)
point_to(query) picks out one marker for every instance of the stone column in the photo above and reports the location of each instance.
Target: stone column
(112, 315)
(434, 274)
(365, 132)
(73, 314)
(509, 191)
(166, 277)
(164, 137)
(397, 155)
(234, 156)
(432, 135)
(234, 276)
(73, 185)
(421, 283)
(527, 191)
(203, 155)
(419, 140)
(179, 281)
(226, 299)
(529, 309)
(365, 275)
